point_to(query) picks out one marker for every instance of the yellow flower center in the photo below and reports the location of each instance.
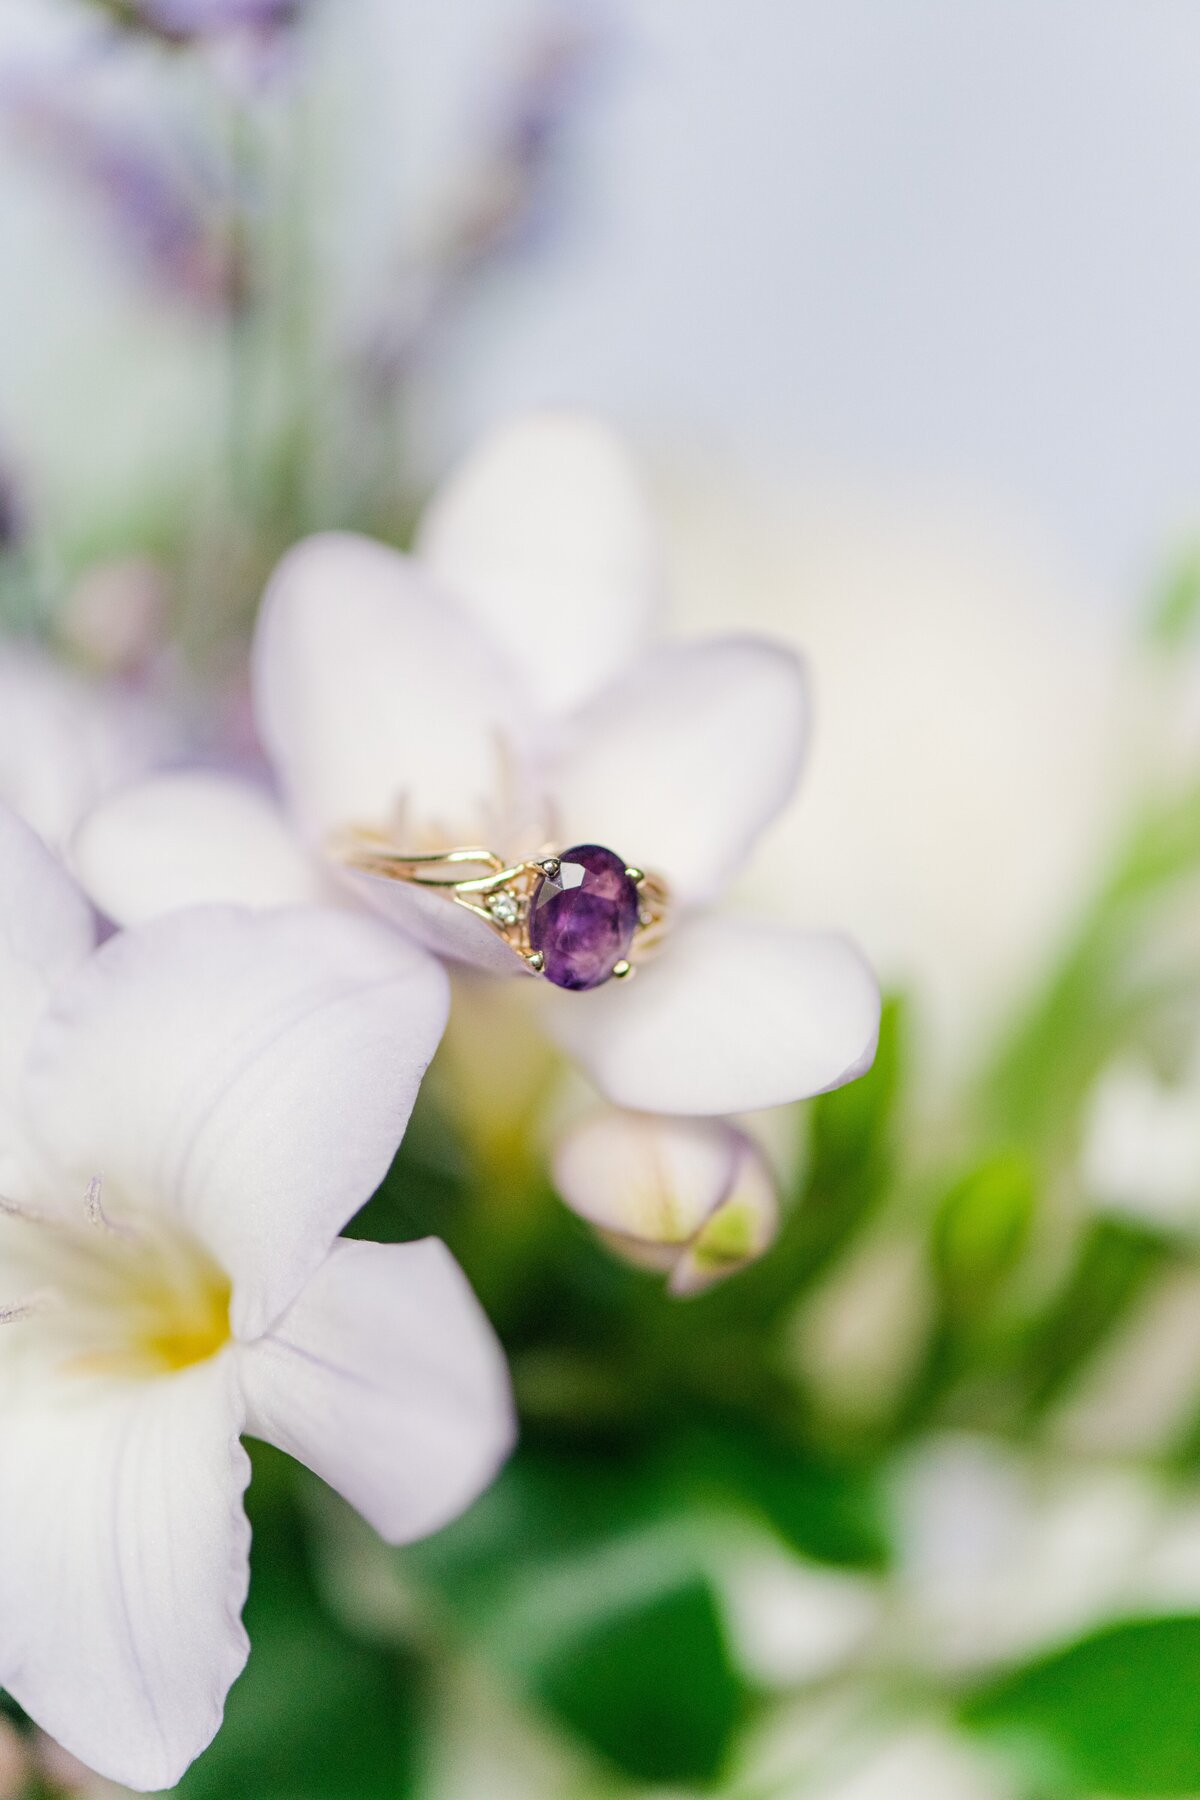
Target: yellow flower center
(172, 1316)
(132, 1299)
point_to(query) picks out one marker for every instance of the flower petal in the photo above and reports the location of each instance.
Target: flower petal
(188, 839)
(46, 931)
(385, 1378)
(545, 535)
(68, 741)
(437, 922)
(380, 703)
(124, 1565)
(252, 1073)
(681, 766)
(733, 1015)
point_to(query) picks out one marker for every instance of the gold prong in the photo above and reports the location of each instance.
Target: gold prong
(636, 875)
(622, 969)
(550, 865)
(536, 961)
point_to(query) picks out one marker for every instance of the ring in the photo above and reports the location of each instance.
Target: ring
(577, 916)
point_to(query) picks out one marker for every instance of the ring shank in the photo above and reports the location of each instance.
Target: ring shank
(501, 896)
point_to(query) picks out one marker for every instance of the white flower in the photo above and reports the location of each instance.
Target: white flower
(852, 1740)
(499, 688)
(792, 1621)
(1001, 1557)
(66, 741)
(188, 1116)
(922, 1762)
(692, 1197)
(975, 749)
(1141, 1147)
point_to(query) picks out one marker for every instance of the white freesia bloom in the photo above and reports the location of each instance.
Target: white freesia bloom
(956, 845)
(924, 1762)
(501, 687)
(853, 1742)
(67, 741)
(793, 1622)
(1001, 1558)
(1141, 1148)
(692, 1197)
(188, 1116)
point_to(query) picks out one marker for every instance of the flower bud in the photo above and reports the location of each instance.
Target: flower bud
(693, 1198)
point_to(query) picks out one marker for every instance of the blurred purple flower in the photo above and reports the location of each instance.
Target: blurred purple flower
(189, 21)
(169, 208)
(512, 199)
(204, 18)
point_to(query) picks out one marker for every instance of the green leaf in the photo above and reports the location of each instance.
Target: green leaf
(1095, 1001)
(823, 1512)
(1114, 1264)
(1059, 1043)
(1117, 1713)
(317, 1714)
(425, 1191)
(1174, 612)
(851, 1143)
(578, 1578)
(651, 1686)
(982, 1226)
(540, 1512)
(1163, 848)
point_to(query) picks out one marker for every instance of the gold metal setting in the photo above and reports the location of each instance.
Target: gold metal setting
(500, 893)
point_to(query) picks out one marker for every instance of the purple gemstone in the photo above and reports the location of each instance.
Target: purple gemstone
(583, 919)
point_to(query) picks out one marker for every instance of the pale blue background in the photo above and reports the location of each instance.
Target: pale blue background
(890, 240)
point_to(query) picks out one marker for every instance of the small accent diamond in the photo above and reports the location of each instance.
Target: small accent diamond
(504, 908)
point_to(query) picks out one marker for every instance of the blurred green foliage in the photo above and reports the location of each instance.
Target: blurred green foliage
(1173, 616)
(578, 1579)
(1116, 1713)
(981, 1228)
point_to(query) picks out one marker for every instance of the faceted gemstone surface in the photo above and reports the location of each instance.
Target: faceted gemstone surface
(583, 919)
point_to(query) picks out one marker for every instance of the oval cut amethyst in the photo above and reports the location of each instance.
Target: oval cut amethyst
(583, 919)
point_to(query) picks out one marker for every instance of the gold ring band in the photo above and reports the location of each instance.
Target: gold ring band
(623, 908)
